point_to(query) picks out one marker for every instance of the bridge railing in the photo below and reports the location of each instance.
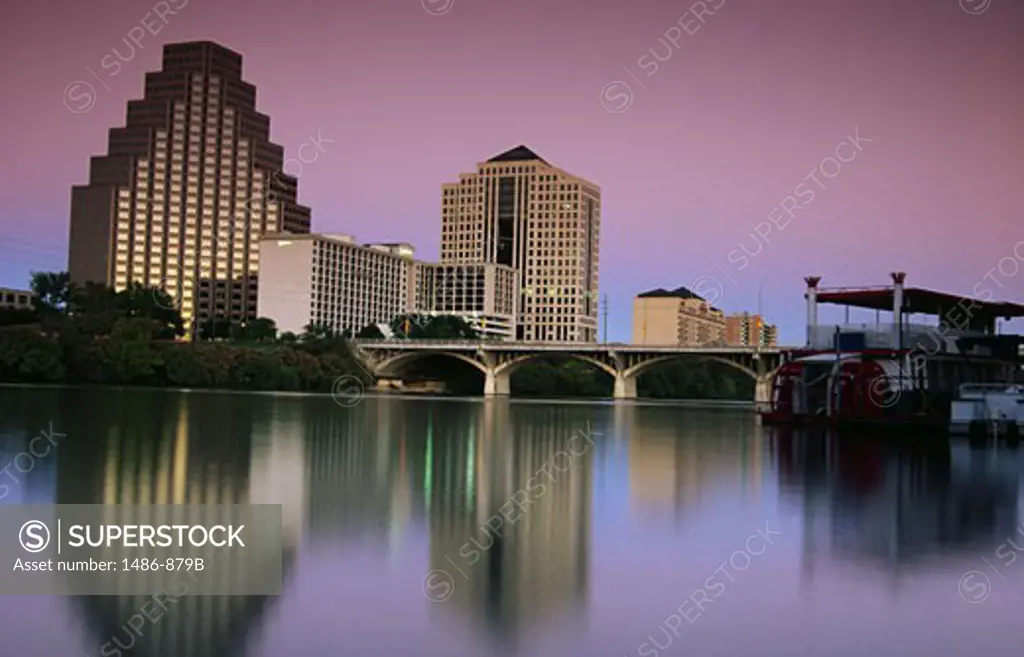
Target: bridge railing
(553, 346)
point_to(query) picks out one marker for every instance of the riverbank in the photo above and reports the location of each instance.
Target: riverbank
(130, 356)
(405, 396)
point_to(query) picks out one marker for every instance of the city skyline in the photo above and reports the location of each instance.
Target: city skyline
(689, 174)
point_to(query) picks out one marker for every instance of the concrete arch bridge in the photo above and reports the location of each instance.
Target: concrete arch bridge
(497, 360)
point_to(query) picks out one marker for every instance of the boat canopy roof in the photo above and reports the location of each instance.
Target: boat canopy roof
(918, 301)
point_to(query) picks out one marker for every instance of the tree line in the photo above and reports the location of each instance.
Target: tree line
(93, 334)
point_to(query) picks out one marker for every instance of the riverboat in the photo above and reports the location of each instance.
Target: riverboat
(898, 375)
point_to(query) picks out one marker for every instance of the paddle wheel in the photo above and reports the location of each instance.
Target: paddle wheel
(860, 391)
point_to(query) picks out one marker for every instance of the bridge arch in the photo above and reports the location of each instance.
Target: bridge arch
(640, 368)
(392, 367)
(509, 367)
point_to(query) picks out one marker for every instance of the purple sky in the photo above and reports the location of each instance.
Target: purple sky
(733, 119)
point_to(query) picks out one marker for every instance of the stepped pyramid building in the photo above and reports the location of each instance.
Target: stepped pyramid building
(186, 189)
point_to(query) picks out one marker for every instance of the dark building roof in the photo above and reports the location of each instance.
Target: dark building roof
(518, 154)
(681, 292)
(918, 300)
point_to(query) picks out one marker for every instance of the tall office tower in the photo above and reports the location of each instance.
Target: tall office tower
(186, 189)
(519, 210)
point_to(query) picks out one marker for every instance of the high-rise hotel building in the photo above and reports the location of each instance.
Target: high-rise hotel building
(331, 281)
(186, 189)
(482, 293)
(518, 210)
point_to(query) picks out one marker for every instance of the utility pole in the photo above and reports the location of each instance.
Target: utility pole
(605, 310)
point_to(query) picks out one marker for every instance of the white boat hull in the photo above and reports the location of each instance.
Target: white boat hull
(994, 405)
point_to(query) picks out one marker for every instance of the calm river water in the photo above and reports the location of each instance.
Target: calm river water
(451, 528)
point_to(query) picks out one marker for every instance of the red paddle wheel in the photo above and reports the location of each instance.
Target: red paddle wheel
(860, 391)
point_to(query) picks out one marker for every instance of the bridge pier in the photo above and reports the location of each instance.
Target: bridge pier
(763, 393)
(625, 387)
(495, 384)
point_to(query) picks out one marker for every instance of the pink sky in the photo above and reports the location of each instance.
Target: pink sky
(737, 114)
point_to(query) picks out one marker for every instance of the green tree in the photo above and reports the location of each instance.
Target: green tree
(427, 327)
(370, 332)
(314, 332)
(52, 290)
(153, 303)
(93, 309)
(128, 355)
(18, 316)
(261, 329)
(27, 357)
(449, 327)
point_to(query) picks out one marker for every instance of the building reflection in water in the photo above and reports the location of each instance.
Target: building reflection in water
(532, 570)
(894, 507)
(676, 459)
(170, 448)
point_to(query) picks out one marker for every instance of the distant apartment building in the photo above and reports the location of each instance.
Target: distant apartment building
(186, 189)
(676, 318)
(520, 211)
(483, 294)
(12, 298)
(332, 281)
(747, 330)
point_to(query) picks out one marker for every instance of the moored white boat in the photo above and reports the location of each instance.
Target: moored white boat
(992, 406)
